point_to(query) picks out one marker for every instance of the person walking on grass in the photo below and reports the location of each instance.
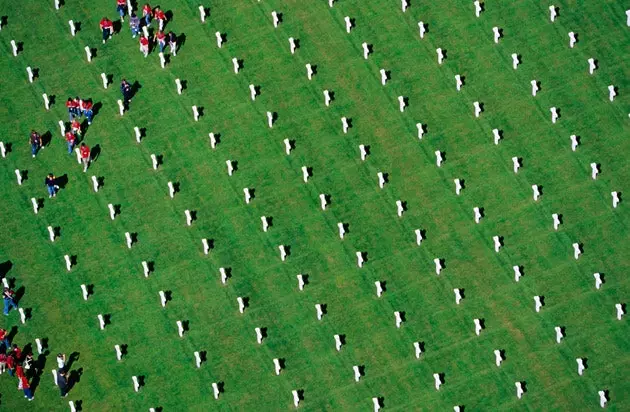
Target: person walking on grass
(144, 46)
(4, 340)
(125, 89)
(70, 141)
(147, 12)
(9, 301)
(88, 111)
(51, 185)
(172, 42)
(160, 38)
(121, 6)
(24, 385)
(134, 25)
(107, 28)
(11, 364)
(36, 142)
(85, 156)
(62, 382)
(73, 109)
(160, 16)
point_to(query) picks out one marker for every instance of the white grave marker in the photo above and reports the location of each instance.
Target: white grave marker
(603, 399)
(327, 98)
(572, 39)
(265, 223)
(283, 253)
(345, 125)
(598, 280)
(592, 66)
(400, 209)
(422, 28)
(215, 390)
(363, 152)
(348, 23)
(559, 334)
(197, 359)
(438, 381)
(309, 71)
(14, 47)
(101, 321)
(319, 311)
(478, 326)
(458, 186)
(418, 349)
(379, 288)
(23, 315)
(68, 262)
(618, 306)
(301, 282)
(553, 13)
(136, 383)
(574, 142)
(224, 275)
(276, 365)
(121, 107)
(556, 221)
(401, 104)
(128, 239)
(95, 183)
(611, 93)
(236, 65)
(398, 319)
(180, 328)
(287, 146)
(206, 246)
(517, 272)
(338, 342)
(497, 34)
(458, 82)
(477, 212)
(202, 14)
(3, 150)
(519, 390)
(270, 119)
(241, 304)
(195, 111)
(478, 8)
(219, 39)
(118, 352)
(477, 107)
(230, 167)
(538, 304)
(357, 373)
(615, 199)
(35, 205)
(296, 398)
(498, 358)
(580, 366)
(438, 265)
(178, 83)
(84, 290)
(515, 61)
(535, 87)
(440, 55)
(360, 259)
(259, 335)
(292, 45)
(88, 53)
(536, 190)
(554, 114)
(458, 296)
(47, 103)
(275, 18)
(577, 251)
(162, 298)
(366, 50)
(29, 71)
(342, 230)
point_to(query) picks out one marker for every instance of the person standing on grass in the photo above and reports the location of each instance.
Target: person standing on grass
(10, 364)
(72, 109)
(160, 37)
(4, 340)
(89, 113)
(134, 25)
(172, 42)
(121, 5)
(28, 392)
(70, 141)
(62, 382)
(36, 142)
(85, 156)
(144, 46)
(125, 89)
(61, 362)
(9, 301)
(75, 127)
(17, 353)
(147, 12)
(107, 27)
(160, 17)
(50, 185)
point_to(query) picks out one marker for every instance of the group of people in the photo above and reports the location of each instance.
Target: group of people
(136, 23)
(17, 364)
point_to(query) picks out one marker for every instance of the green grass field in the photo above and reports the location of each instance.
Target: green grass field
(155, 351)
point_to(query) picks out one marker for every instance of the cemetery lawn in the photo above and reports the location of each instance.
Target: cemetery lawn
(53, 295)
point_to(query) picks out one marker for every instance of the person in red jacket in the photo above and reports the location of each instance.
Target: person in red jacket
(4, 339)
(160, 37)
(121, 5)
(70, 141)
(144, 46)
(147, 12)
(75, 126)
(107, 27)
(28, 392)
(10, 364)
(160, 16)
(17, 352)
(85, 156)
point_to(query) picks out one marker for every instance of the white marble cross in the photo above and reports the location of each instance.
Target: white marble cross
(618, 306)
(236, 65)
(283, 253)
(383, 77)
(252, 92)
(275, 18)
(398, 319)
(418, 349)
(305, 174)
(348, 24)
(230, 167)
(287, 146)
(171, 190)
(438, 381)
(323, 201)
(603, 399)
(342, 230)
(498, 358)
(35, 205)
(259, 335)
(3, 150)
(458, 186)
(128, 239)
(559, 334)
(219, 39)
(458, 82)
(292, 45)
(458, 295)
(536, 190)
(88, 53)
(51, 233)
(478, 326)
(516, 163)
(381, 179)
(477, 213)
(594, 170)
(319, 310)
(178, 84)
(345, 125)
(401, 103)
(101, 321)
(29, 71)
(154, 161)
(206, 246)
(615, 199)
(197, 359)
(400, 209)
(363, 152)
(84, 290)
(118, 352)
(136, 383)
(327, 98)
(277, 366)
(270, 119)
(554, 114)
(18, 175)
(224, 275)
(515, 61)
(357, 373)
(40, 347)
(574, 142)
(180, 328)
(556, 221)
(538, 303)
(301, 282)
(517, 272)
(497, 34)
(379, 288)
(519, 390)
(478, 8)
(296, 398)
(215, 390)
(265, 223)
(248, 195)
(366, 50)
(202, 14)
(360, 259)
(580, 366)
(438, 265)
(57, 7)
(422, 28)
(497, 243)
(23, 315)
(162, 298)
(14, 47)
(375, 401)
(405, 5)
(440, 55)
(241, 304)
(309, 71)
(598, 280)
(47, 103)
(577, 251)
(535, 87)
(338, 342)
(553, 13)
(611, 93)
(195, 111)
(55, 376)
(477, 107)
(68, 262)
